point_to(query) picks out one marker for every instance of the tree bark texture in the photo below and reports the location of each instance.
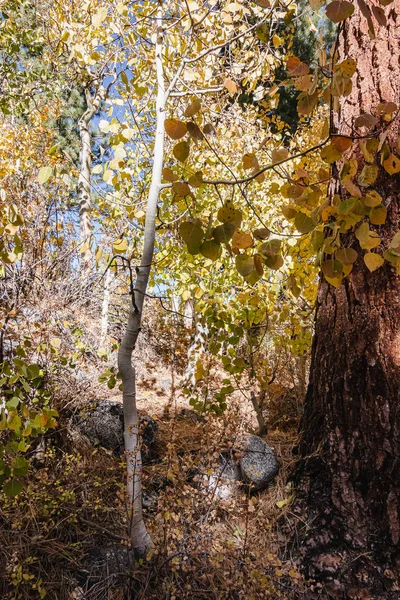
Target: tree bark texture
(348, 474)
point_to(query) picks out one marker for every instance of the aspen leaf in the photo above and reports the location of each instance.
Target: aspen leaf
(169, 175)
(339, 10)
(191, 233)
(250, 161)
(181, 189)
(274, 262)
(244, 264)
(253, 277)
(347, 67)
(372, 241)
(304, 223)
(377, 216)
(362, 232)
(332, 268)
(13, 487)
(373, 199)
(347, 256)
(386, 108)
(99, 17)
(366, 120)
(306, 103)
(330, 154)
(97, 169)
(196, 180)
(373, 261)
(44, 174)
(208, 129)
(352, 188)
(335, 281)
(297, 68)
(231, 86)
(270, 248)
(120, 245)
(181, 151)
(279, 154)
(192, 108)
(56, 343)
(379, 15)
(175, 129)
(242, 240)
(316, 4)
(211, 249)
(223, 233)
(194, 130)
(258, 264)
(368, 175)
(395, 243)
(263, 3)
(392, 164)
(226, 213)
(342, 143)
(289, 211)
(262, 234)
(303, 83)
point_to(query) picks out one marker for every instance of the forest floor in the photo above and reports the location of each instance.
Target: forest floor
(64, 538)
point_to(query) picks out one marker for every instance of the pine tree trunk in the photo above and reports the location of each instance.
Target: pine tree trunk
(348, 475)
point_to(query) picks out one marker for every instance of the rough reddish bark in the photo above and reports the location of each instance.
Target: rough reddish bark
(348, 475)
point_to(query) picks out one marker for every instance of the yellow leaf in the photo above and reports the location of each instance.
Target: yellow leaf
(44, 174)
(377, 216)
(99, 17)
(392, 164)
(373, 261)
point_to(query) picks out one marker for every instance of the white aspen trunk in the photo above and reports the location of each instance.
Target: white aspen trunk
(104, 310)
(85, 163)
(140, 539)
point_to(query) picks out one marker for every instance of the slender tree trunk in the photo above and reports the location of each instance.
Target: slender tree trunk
(348, 476)
(104, 309)
(85, 164)
(141, 541)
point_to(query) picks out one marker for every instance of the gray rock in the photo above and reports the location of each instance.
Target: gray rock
(223, 483)
(258, 463)
(103, 424)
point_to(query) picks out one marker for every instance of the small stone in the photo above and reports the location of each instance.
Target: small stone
(258, 463)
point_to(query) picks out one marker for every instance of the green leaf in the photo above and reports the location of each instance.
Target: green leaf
(346, 206)
(223, 233)
(304, 223)
(191, 233)
(211, 249)
(44, 174)
(270, 248)
(181, 151)
(13, 487)
(244, 264)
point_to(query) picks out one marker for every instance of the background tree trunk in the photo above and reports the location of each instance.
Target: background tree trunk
(348, 476)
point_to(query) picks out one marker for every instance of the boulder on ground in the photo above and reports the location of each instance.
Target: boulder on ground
(103, 424)
(258, 463)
